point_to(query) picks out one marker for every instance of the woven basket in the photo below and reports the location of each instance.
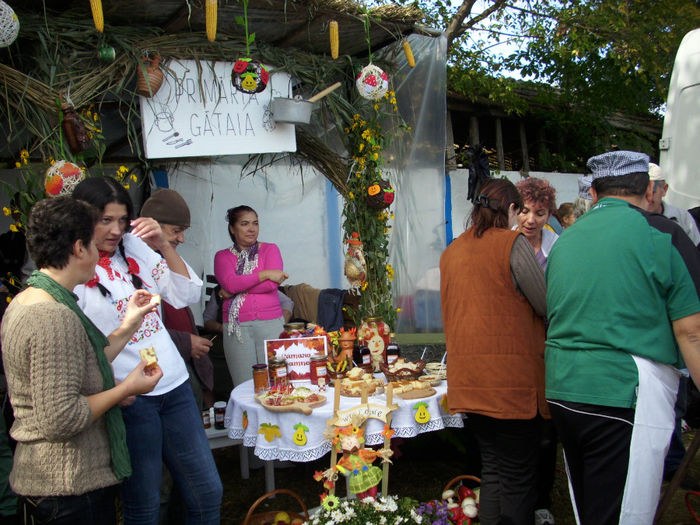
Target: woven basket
(402, 373)
(452, 482)
(268, 516)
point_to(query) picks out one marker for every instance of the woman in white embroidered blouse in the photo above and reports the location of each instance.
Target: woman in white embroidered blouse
(164, 424)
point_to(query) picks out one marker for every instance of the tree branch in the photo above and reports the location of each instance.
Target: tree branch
(463, 12)
(457, 27)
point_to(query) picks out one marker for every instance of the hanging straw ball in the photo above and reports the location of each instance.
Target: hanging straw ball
(61, 178)
(9, 25)
(380, 194)
(372, 82)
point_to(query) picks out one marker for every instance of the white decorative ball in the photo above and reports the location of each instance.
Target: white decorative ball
(9, 25)
(372, 83)
(61, 178)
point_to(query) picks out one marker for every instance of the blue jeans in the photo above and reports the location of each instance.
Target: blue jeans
(92, 508)
(169, 427)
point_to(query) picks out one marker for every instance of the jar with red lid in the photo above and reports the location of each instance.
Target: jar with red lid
(319, 372)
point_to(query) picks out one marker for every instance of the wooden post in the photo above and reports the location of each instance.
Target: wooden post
(473, 130)
(389, 390)
(499, 146)
(523, 147)
(336, 406)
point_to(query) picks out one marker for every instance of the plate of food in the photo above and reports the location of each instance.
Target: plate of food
(411, 389)
(358, 379)
(431, 379)
(291, 399)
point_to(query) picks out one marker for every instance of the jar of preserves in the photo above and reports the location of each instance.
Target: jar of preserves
(261, 378)
(392, 351)
(278, 373)
(319, 372)
(291, 330)
(375, 334)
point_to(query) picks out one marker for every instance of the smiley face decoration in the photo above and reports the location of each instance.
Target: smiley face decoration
(249, 76)
(380, 194)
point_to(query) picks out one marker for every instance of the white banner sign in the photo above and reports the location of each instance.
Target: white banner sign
(192, 117)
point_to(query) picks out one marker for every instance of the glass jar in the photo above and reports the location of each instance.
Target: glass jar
(392, 351)
(319, 372)
(291, 330)
(261, 378)
(278, 373)
(374, 333)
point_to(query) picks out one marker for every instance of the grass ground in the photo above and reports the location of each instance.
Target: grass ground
(426, 464)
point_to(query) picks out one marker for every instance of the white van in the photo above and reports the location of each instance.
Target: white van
(680, 142)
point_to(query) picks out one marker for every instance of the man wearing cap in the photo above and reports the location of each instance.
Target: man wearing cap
(624, 313)
(172, 213)
(656, 204)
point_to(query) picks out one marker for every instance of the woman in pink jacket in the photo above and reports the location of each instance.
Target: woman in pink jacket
(249, 273)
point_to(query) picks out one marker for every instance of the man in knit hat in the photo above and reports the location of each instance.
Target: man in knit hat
(172, 213)
(656, 204)
(624, 313)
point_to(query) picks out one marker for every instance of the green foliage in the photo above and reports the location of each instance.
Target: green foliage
(366, 141)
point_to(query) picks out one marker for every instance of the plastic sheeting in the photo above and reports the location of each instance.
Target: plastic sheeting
(300, 211)
(419, 230)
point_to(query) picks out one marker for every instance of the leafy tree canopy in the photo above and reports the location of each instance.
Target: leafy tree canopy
(603, 55)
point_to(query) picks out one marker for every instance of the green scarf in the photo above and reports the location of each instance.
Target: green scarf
(121, 464)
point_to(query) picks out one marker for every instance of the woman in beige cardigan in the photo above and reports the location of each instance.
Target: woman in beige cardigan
(71, 446)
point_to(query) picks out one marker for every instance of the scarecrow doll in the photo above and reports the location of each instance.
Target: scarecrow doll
(356, 462)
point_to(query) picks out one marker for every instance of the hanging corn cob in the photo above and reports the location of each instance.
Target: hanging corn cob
(335, 42)
(211, 19)
(409, 53)
(97, 16)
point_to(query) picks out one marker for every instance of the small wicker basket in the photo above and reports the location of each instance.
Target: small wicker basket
(402, 373)
(267, 516)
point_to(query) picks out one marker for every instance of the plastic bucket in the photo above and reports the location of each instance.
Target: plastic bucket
(291, 110)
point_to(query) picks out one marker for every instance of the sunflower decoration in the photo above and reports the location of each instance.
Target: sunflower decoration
(330, 502)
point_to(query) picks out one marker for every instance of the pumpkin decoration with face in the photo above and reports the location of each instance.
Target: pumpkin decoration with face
(380, 194)
(249, 76)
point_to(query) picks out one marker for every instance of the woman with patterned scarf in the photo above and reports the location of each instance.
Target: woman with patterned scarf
(249, 273)
(71, 443)
(165, 425)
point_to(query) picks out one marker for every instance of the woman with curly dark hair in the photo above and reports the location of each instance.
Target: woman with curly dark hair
(71, 443)
(493, 301)
(539, 203)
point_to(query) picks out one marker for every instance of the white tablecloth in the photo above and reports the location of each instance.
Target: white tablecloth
(242, 403)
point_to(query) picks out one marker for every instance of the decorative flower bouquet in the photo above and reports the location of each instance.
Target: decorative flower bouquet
(389, 511)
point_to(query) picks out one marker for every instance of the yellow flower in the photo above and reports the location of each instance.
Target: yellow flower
(126, 186)
(123, 169)
(6, 210)
(52, 161)
(367, 135)
(364, 286)
(24, 154)
(375, 156)
(393, 101)
(18, 165)
(133, 177)
(361, 147)
(351, 195)
(392, 215)
(95, 117)
(8, 299)
(391, 93)
(376, 107)
(13, 228)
